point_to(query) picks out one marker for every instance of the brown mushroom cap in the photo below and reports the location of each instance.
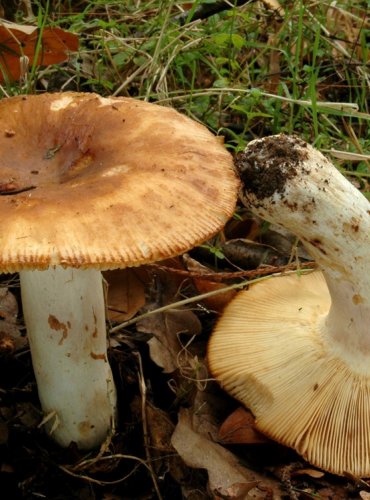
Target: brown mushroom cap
(268, 351)
(87, 181)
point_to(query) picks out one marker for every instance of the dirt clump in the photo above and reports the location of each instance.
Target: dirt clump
(265, 166)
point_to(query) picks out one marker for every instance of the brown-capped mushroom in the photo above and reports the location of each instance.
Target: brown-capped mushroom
(87, 184)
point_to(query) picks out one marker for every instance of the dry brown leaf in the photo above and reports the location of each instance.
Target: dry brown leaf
(10, 336)
(28, 414)
(126, 294)
(346, 26)
(274, 65)
(194, 266)
(8, 305)
(219, 301)
(183, 321)
(315, 473)
(164, 346)
(205, 409)
(252, 254)
(239, 428)
(160, 429)
(227, 478)
(18, 40)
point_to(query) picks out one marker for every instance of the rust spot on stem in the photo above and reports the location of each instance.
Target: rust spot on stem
(56, 325)
(98, 356)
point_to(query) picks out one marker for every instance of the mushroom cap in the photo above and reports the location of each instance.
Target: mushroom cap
(268, 351)
(87, 181)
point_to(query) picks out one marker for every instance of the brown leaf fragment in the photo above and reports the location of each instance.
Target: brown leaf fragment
(160, 429)
(8, 305)
(274, 64)
(183, 321)
(10, 336)
(217, 302)
(239, 428)
(251, 254)
(238, 491)
(7, 343)
(227, 478)
(315, 473)
(28, 415)
(164, 346)
(18, 41)
(166, 327)
(344, 26)
(126, 294)
(194, 266)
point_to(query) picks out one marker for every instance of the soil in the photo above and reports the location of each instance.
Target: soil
(267, 165)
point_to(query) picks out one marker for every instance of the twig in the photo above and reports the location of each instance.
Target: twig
(110, 457)
(142, 387)
(202, 296)
(219, 276)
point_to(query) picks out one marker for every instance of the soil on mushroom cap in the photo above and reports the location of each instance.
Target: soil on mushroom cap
(265, 166)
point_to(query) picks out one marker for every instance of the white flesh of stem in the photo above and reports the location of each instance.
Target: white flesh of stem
(64, 314)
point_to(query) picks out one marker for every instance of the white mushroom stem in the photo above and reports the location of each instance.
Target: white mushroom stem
(291, 184)
(64, 313)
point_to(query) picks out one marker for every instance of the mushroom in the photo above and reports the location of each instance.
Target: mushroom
(295, 349)
(87, 184)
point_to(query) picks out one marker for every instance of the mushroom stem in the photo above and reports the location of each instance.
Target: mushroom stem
(290, 183)
(64, 313)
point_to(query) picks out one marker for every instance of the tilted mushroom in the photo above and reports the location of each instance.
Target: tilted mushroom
(296, 349)
(86, 184)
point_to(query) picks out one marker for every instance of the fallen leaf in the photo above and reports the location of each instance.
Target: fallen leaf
(227, 478)
(250, 254)
(160, 429)
(158, 434)
(284, 242)
(164, 346)
(28, 414)
(8, 305)
(17, 41)
(316, 474)
(274, 62)
(165, 327)
(183, 321)
(10, 336)
(217, 302)
(126, 294)
(239, 428)
(345, 26)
